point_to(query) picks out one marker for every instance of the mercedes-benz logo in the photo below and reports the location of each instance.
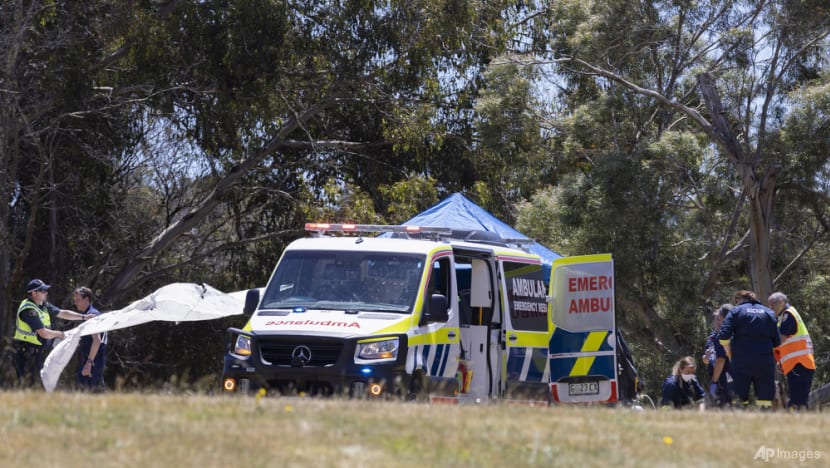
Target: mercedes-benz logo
(300, 356)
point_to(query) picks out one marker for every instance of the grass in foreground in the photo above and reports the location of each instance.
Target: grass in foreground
(72, 429)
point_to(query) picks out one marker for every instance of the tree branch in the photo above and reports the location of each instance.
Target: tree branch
(659, 97)
(330, 144)
(147, 277)
(195, 216)
(819, 233)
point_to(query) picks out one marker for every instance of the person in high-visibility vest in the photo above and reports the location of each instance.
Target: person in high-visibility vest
(795, 355)
(748, 335)
(33, 331)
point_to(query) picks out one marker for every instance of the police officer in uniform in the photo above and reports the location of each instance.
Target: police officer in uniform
(33, 332)
(795, 355)
(749, 334)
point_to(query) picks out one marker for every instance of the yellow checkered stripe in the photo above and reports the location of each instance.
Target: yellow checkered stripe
(592, 343)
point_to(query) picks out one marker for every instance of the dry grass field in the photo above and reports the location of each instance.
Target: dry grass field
(142, 430)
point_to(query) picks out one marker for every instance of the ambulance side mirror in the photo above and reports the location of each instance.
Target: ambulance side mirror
(437, 311)
(251, 301)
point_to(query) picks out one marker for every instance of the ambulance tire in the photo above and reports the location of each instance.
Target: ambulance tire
(418, 387)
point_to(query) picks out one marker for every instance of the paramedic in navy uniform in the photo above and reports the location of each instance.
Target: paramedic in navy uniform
(720, 380)
(681, 389)
(749, 334)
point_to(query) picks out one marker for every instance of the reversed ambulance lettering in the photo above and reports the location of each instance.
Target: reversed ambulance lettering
(320, 323)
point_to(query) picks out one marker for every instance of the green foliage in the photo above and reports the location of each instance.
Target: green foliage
(408, 197)
(120, 118)
(806, 135)
(535, 219)
(139, 110)
(347, 205)
(510, 160)
(640, 179)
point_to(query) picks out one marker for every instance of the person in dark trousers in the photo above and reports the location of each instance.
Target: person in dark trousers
(33, 332)
(720, 386)
(92, 348)
(795, 355)
(749, 334)
(681, 389)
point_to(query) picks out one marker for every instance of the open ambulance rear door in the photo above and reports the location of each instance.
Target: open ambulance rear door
(526, 332)
(582, 348)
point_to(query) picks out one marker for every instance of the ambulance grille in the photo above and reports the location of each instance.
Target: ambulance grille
(280, 353)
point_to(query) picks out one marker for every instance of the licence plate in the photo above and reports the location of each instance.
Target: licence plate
(583, 388)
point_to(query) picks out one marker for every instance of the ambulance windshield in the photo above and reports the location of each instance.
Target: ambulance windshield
(337, 280)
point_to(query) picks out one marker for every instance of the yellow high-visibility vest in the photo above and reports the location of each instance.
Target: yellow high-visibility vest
(23, 332)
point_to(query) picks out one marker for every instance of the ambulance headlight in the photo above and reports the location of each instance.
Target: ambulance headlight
(242, 346)
(376, 351)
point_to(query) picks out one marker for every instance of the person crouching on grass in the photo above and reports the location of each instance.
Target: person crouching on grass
(681, 389)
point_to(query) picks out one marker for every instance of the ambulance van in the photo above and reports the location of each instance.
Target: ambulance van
(423, 313)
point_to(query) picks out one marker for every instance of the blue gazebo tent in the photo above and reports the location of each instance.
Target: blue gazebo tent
(458, 212)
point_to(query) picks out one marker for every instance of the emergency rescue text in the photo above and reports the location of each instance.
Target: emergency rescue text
(590, 283)
(590, 304)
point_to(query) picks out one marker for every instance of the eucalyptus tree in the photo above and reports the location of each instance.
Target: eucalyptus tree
(288, 96)
(61, 147)
(670, 126)
(723, 70)
(673, 144)
(201, 134)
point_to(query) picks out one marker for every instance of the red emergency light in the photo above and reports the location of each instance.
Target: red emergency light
(321, 228)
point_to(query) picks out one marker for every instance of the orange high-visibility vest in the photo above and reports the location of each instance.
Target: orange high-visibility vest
(795, 349)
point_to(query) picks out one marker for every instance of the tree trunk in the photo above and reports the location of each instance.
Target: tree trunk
(760, 190)
(761, 214)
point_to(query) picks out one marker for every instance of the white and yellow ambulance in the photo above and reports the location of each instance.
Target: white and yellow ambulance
(425, 313)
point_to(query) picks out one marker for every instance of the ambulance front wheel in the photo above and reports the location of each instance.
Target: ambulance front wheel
(418, 387)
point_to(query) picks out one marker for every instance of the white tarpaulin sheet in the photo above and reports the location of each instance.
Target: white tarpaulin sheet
(177, 302)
